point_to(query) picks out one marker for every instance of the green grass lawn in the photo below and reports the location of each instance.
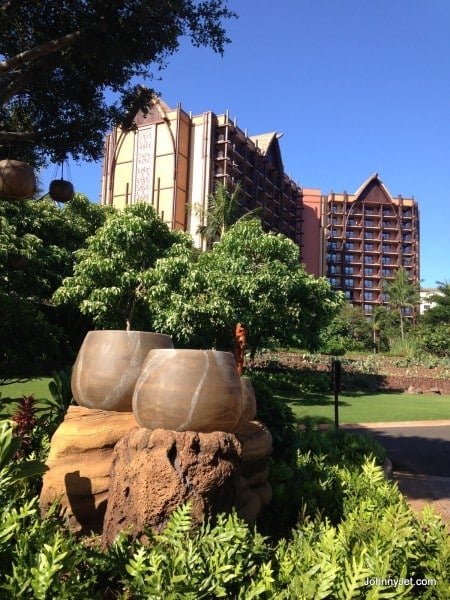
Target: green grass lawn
(355, 407)
(16, 389)
(359, 407)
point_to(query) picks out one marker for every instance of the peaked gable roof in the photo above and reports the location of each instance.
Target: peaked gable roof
(269, 147)
(373, 190)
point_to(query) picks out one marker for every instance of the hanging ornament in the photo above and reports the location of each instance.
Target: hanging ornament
(17, 180)
(61, 190)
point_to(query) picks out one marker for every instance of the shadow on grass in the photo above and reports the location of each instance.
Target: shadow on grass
(311, 400)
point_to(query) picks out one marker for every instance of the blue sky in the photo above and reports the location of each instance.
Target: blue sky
(356, 87)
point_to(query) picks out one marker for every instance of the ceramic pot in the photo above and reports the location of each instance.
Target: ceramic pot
(17, 180)
(188, 390)
(108, 365)
(248, 400)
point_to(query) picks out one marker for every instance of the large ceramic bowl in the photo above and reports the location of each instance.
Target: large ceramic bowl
(108, 365)
(188, 390)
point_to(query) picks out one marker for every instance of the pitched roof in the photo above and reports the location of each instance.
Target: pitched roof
(369, 186)
(269, 147)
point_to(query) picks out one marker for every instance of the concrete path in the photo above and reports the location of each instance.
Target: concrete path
(420, 453)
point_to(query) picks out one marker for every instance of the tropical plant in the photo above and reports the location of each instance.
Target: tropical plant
(59, 60)
(107, 281)
(37, 239)
(403, 293)
(251, 277)
(223, 211)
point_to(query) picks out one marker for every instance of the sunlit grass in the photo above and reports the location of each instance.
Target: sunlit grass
(16, 389)
(359, 407)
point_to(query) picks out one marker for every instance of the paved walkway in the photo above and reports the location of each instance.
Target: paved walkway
(419, 489)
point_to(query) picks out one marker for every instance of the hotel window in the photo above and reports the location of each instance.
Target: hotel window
(368, 283)
(348, 282)
(385, 248)
(368, 295)
(350, 234)
(368, 223)
(368, 210)
(348, 270)
(349, 294)
(368, 260)
(368, 308)
(369, 247)
(386, 260)
(386, 236)
(349, 258)
(368, 235)
(334, 281)
(350, 245)
(368, 271)
(385, 272)
(385, 297)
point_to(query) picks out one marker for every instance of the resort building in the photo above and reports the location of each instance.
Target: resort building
(174, 160)
(361, 240)
(426, 298)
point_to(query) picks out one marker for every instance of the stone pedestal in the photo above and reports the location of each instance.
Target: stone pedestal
(154, 472)
(79, 464)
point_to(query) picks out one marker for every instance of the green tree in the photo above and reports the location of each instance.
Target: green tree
(57, 60)
(433, 332)
(107, 276)
(349, 330)
(403, 293)
(223, 211)
(439, 314)
(250, 277)
(37, 239)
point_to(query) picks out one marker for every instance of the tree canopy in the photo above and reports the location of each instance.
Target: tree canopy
(107, 276)
(37, 239)
(57, 60)
(250, 277)
(403, 293)
(433, 332)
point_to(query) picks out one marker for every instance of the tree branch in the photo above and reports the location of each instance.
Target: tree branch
(18, 136)
(51, 47)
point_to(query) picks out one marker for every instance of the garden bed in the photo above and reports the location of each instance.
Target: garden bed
(368, 372)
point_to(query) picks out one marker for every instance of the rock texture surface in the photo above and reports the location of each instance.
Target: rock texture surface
(153, 472)
(79, 464)
(256, 442)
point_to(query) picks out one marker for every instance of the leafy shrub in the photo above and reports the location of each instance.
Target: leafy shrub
(277, 415)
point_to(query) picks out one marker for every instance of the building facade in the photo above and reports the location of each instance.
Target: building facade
(174, 160)
(364, 239)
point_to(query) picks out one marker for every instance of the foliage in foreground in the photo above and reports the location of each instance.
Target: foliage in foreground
(333, 526)
(378, 536)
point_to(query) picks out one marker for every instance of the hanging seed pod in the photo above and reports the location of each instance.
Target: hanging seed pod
(17, 180)
(61, 190)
